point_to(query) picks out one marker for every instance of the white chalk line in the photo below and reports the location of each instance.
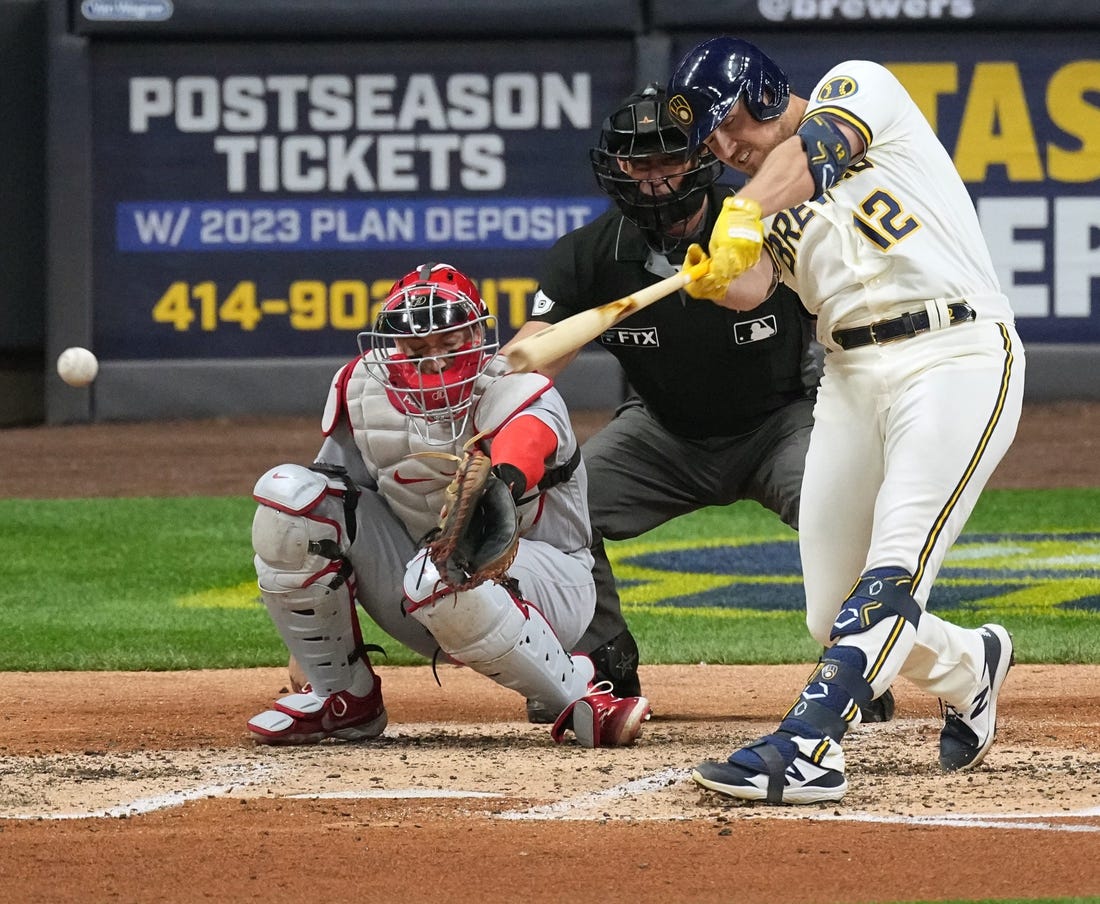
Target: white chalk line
(253, 775)
(396, 794)
(141, 805)
(659, 780)
(576, 807)
(970, 821)
(646, 785)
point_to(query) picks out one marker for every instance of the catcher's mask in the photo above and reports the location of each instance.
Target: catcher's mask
(716, 74)
(431, 341)
(643, 163)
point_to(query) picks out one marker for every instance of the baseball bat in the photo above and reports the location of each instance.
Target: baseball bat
(573, 332)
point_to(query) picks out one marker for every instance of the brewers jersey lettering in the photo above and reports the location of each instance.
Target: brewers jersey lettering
(898, 228)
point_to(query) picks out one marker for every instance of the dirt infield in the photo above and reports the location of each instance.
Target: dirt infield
(144, 786)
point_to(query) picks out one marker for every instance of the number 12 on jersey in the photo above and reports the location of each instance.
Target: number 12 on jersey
(888, 224)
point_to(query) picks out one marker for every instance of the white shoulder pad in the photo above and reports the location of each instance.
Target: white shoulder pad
(290, 488)
(506, 395)
(336, 404)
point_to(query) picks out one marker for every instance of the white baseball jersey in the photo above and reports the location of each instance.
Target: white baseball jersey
(897, 230)
(906, 433)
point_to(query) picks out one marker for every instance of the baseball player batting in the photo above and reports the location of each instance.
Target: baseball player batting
(861, 211)
(762, 363)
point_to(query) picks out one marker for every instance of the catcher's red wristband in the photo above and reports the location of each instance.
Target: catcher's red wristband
(525, 442)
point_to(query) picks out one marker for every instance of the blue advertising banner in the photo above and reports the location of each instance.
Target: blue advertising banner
(260, 200)
(1019, 112)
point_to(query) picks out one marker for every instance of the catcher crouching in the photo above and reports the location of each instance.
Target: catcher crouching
(449, 500)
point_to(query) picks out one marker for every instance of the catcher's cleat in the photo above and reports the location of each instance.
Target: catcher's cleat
(600, 719)
(616, 663)
(968, 734)
(307, 718)
(780, 768)
(881, 709)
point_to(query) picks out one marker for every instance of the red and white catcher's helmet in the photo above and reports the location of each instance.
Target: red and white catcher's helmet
(431, 341)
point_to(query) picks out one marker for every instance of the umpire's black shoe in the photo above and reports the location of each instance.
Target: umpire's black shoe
(540, 713)
(616, 662)
(881, 709)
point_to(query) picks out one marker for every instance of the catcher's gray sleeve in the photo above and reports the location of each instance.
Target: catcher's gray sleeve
(339, 449)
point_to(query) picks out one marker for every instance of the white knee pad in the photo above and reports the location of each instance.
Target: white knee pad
(300, 525)
(307, 585)
(496, 635)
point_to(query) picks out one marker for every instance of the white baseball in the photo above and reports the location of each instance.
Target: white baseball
(77, 366)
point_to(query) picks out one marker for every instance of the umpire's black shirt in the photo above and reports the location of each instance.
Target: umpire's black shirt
(702, 370)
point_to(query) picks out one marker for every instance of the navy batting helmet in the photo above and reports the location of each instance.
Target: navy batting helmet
(711, 78)
(640, 129)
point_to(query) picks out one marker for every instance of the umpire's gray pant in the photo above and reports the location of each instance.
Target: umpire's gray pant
(640, 476)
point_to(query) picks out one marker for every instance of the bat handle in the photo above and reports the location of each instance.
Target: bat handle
(697, 270)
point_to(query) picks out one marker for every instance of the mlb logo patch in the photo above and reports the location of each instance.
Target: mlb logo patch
(541, 304)
(755, 330)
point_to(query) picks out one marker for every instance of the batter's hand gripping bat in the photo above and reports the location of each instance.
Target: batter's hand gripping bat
(573, 332)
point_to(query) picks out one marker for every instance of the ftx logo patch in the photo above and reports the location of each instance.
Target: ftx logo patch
(641, 338)
(754, 330)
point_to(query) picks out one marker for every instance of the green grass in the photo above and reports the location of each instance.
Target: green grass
(1042, 614)
(160, 584)
(98, 584)
(1089, 900)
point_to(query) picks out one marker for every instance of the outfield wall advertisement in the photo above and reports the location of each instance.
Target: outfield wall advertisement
(255, 200)
(261, 201)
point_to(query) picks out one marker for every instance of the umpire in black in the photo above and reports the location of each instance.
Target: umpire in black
(722, 401)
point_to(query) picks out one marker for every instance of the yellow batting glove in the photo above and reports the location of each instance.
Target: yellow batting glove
(707, 287)
(737, 239)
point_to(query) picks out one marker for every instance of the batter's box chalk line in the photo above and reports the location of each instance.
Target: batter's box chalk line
(1035, 822)
(573, 807)
(394, 794)
(252, 775)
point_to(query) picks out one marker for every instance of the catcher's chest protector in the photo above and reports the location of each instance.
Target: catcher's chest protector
(413, 487)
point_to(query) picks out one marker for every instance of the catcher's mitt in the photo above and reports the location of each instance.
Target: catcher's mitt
(478, 529)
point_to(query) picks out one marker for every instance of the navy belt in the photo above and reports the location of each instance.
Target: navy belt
(908, 324)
